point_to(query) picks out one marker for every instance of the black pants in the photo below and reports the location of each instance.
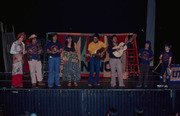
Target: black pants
(144, 70)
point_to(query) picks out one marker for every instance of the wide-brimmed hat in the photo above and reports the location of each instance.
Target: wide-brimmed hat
(21, 34)
(32, 36)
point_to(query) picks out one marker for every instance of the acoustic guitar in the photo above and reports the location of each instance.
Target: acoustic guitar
(97, 54)
(122, 47)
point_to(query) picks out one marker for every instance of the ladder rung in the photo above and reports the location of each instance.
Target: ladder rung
(131, 53)
(131, 61)
(131, 49)
(131, 56)
(132, 64)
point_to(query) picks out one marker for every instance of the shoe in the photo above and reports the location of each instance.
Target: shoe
(50, 87)
(145, 85)
(139, 85)
(121, 85)
(90, 85)
(75, 84)
(160, 85)
(69, 84)
(165, 86)
(34, 85)
(97, 84)
(113, 85)
(41, 83)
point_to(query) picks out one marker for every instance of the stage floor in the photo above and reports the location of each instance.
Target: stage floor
(130, 83)
(89, 101)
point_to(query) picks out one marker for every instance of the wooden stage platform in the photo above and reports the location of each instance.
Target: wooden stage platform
(89, 101)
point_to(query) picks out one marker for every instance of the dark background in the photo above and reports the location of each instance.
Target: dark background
(115, 16)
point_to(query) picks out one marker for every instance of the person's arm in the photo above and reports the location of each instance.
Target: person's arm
(152, 56)
(110, 49)
(48, 49)
(13, 49)
(60, 48)
(104, 46)
(75, 47)
(89, 50)
(28, 49)
(24, 52)
(39, 49)
(160, 58)
(170, 60)
(140, 56)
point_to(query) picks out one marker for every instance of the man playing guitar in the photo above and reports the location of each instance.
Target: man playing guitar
(115, 63)
(94, 61)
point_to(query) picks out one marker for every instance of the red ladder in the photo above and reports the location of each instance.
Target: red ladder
(132, 62)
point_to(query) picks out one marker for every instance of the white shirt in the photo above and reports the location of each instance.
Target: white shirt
(15, 48)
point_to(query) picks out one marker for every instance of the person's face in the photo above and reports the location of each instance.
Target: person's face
(114, 40)
(95, 39)
(146, 45)
(167, 48)
(69, 39)
(21, 38)
(34, 40)
(54, 38)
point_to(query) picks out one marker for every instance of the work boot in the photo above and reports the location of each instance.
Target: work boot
(40, 83)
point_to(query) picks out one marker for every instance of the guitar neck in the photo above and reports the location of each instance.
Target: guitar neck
(130, 40)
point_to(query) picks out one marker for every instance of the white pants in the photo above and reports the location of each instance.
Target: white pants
(35, 70)
(116, 65)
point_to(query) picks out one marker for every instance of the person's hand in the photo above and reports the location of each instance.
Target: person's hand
(118, 49)
(16, 44)
(39, 52)
(60, 50)
(25, 52)
(160, 61)
(169, 66)
(147, 58)
(53, 52)
(102, 54)
(21, 52)
(30, 50)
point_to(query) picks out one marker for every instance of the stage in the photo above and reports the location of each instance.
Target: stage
(130, 82)
(89, 101)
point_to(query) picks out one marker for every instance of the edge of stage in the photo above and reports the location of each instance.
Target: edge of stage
(85, 101)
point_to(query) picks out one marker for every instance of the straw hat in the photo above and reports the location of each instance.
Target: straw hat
(32, 36)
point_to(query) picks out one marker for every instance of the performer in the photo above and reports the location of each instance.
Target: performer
(54, 48)
(115, 63)
(146, 55)
(18, 50)
(165, 59)
(71, 70)
(34, 52)
(95, 62)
